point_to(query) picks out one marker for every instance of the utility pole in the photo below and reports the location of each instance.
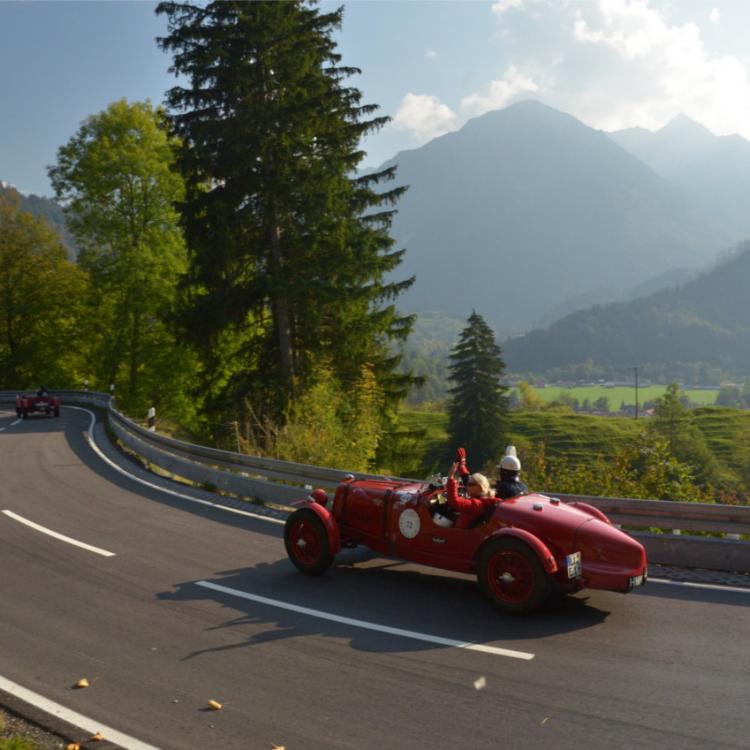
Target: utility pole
(636, 392)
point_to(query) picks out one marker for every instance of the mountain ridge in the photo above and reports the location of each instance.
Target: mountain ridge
(526, 207)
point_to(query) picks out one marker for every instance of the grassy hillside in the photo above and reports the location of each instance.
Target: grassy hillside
(574, 436)
(580, 439)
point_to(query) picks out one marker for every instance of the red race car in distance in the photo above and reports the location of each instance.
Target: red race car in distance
(521, 549)
(42, 402)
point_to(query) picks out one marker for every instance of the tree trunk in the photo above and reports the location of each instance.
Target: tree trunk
(280, 309)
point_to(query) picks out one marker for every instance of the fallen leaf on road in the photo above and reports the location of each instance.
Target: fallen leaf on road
(82, 683)
(545, 720)
(215, 705)
(98, 737)
(480, 683)
(73, 746)
(277, 747)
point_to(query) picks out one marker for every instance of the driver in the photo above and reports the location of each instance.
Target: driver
(479, 496)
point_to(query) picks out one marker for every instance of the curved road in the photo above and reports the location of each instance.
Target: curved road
(666, 667)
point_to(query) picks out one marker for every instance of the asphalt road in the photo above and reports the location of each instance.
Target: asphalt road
(661, 668)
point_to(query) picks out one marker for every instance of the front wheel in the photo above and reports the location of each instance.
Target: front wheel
(512, 576)
(306, 542)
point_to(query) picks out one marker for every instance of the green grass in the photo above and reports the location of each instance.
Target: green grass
(574, 436)
(17, 743)
(623, 394)
(727, 432)
(583, 437)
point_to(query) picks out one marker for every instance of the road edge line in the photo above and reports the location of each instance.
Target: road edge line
(69, 718)
(151, 485)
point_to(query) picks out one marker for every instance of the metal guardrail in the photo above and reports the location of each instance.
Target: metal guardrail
(272, 480)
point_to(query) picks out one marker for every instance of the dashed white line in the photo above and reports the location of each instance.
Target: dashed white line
(99, 452)
(72, 717)
(12, 424)
(368, 625)
(56, 535)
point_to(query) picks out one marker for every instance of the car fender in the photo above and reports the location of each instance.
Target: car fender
(592, 511)
(331, 527)
(546, 558)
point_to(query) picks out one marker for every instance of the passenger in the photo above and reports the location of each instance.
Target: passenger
(470, 508)
(508, 483)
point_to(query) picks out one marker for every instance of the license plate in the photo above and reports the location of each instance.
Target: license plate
(573, 563)
(637, 580)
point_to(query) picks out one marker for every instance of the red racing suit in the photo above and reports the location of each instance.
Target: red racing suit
(469, 508)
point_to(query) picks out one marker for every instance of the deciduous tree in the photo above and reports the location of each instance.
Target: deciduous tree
(41, 297)
(116, 179)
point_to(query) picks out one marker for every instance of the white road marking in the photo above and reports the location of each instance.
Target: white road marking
(368, 625)
(56, 535)
(218, 506)
(690, 584)
(72, 717)
(12, 424)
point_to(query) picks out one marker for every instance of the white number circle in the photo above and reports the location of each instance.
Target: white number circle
(408, 523)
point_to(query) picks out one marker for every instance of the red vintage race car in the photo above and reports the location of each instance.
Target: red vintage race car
(521, 549)
(41, 403)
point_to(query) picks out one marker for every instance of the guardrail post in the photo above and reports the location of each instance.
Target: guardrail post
(152, 419)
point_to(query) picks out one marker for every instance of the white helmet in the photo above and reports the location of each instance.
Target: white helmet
(509, 461)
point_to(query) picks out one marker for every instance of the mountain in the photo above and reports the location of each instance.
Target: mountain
(47, 209)
(702, 323)
(526, 207)
(713, 170)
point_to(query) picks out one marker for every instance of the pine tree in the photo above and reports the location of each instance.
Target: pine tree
(478, 404)
(288, 249)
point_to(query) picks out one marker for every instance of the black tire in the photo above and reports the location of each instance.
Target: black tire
(57, 411)
(511, 575)
(306, 542)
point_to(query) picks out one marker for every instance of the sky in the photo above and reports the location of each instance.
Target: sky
(430, 66)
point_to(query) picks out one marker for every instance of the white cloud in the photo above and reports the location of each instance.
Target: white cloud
(431, 54)
(501, 6)
(715, 16)
(499, 94)
(425, 116)
(643, 70)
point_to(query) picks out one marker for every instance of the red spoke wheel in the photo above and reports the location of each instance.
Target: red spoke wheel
(511, 575)
(306, 542)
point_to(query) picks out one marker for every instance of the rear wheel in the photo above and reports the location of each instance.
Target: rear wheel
(306, 542)
(511, 575)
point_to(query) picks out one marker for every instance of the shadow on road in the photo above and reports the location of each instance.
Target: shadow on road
(382, 592)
